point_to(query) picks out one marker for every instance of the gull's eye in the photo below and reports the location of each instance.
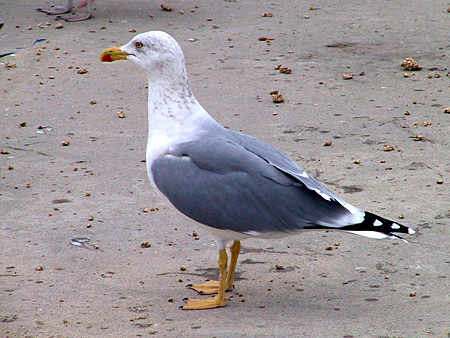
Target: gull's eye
(139, 44)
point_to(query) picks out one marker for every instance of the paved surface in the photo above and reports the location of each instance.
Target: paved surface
(96, 186)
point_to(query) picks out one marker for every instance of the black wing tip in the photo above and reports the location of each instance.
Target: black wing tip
(379, 224)
(374, 222)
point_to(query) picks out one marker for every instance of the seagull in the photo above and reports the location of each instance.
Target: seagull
(56, 10)
(231, 184)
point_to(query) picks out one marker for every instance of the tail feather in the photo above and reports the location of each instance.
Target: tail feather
(375, 226)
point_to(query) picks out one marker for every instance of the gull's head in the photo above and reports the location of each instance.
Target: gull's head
(151, 51)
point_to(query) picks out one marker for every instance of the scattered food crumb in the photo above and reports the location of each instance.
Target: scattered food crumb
(440, 181)
(267, 15)
(348, 76)
(9, 65)
(145, 245)
(182, 268)
(407, 112)
(329, 248)
(279, 267)
(418, 138)
(413, 294)
(277, 97)
(411, 64)
(39, 268)
(65, 143)
(357, 161)
(59, 26)
(424, 123)
(121, 114)
(328, 144)
(166, 7)
(82, 71)
(388, 148)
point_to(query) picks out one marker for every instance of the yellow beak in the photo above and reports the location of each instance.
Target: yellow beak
(113, 54)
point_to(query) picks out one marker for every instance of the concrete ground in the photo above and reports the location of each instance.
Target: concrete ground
(73, 217)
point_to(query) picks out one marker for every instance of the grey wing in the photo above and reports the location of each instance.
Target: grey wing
(220, 183)
(279, 160)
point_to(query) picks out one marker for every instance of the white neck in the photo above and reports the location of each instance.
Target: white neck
(172, 108)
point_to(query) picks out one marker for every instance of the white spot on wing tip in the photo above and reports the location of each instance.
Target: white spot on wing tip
(411, 231)
(377, 223)
(395, 226)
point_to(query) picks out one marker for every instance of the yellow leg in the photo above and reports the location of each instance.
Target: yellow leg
(219, 300)
(234, 249)
(212, 287)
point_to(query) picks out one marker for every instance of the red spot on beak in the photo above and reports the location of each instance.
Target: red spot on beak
(107, 58)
